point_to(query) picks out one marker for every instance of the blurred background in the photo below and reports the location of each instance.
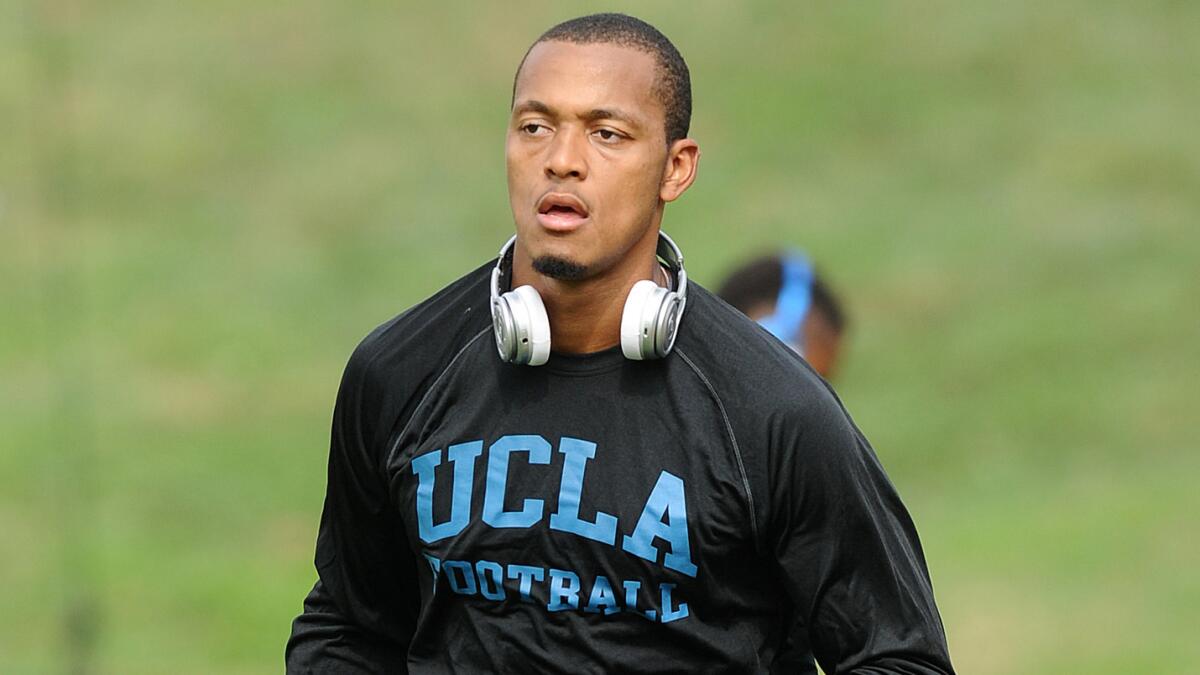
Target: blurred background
(205, 205)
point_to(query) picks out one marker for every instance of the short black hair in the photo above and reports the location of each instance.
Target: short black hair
(760, 280)
(674, 82)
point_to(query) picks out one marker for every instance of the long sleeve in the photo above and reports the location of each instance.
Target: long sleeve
(360, 615)
(848, 553)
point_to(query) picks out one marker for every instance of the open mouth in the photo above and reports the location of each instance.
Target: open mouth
(561, 211)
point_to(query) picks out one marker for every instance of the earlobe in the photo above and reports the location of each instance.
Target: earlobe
(680, 172)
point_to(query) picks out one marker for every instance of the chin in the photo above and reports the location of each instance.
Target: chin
(563, 269)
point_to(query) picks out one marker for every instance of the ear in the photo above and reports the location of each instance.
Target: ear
(683, 157)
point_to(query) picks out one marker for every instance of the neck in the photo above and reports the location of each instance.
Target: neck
(585, 315)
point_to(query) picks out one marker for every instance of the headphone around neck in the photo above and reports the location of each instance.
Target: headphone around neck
(649, 322)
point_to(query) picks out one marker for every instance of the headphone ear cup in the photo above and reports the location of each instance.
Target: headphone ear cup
(503, 329)
(529, 340)
(639, 320)
(666, 326)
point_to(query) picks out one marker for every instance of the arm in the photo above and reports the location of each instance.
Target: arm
(848, 552)
(361, 613)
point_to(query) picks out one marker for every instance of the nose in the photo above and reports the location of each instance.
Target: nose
(565, 158)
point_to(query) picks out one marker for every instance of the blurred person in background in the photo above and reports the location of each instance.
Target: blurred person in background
(663, 490)
(786, 295)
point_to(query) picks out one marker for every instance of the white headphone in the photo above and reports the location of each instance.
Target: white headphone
(649, 322)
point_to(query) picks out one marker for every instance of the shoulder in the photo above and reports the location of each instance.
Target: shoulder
(427, 330)
(399, 358)
(786, 424)
(752, 371)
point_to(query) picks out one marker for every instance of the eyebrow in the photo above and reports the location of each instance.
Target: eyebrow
(610, 114)
(532, 106)
(592, 115)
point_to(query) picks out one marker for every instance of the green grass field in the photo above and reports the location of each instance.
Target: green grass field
(204, 205)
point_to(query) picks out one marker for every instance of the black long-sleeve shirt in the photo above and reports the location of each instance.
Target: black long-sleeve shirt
(598, 515)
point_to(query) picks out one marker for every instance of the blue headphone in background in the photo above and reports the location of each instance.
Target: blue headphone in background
(793, 302)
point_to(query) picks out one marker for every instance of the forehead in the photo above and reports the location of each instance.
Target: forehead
(576, 77)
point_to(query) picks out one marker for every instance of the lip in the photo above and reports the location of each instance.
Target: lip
(558, 220)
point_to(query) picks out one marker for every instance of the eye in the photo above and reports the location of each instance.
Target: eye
(608, 135)
(533, 128)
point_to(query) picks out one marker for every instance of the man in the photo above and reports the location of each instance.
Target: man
(601, 497)
(785, 295)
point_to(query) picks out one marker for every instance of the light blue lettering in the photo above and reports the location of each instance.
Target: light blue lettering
(566, 519)
(482, 568)
(631, 591)
(465, 585)
(603, 598)
(564, 591)
(463, 457)
(524, 574)
(666, 500)
(668, 614)
(497, 478)
(435, 565)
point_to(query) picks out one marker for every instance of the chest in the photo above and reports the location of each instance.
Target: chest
(627, 473)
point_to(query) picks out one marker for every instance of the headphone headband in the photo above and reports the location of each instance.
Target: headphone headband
(794, 299)
(669, 252)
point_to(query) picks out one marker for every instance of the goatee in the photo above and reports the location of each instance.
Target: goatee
(559, 268)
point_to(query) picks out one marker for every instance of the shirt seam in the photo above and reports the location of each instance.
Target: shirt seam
(394, 446)
(737, 452)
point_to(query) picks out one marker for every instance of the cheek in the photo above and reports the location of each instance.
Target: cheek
(518, 179)
(512, 164)
(519, 161)
(639, 177)
(521, 181)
